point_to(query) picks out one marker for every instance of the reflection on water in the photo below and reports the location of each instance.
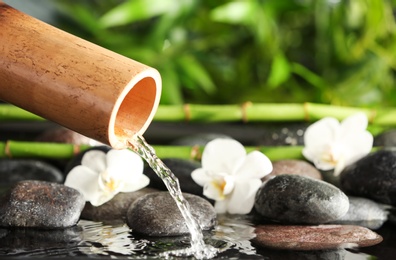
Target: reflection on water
(89, 239)
(101, 239)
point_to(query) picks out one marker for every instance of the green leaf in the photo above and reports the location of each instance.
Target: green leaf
(136, 10)
(171, 93)
(280, 71)
(82, 15)
(196, 72)
(308, 75)
(233, 12)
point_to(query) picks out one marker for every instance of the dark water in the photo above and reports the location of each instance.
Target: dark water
(231, 237)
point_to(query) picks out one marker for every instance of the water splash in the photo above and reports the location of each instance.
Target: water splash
(198, 247)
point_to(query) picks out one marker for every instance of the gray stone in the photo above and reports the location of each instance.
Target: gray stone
(282, 134)
(40, 204)
(365, 212)
(386, 139)
(182, 169)
(296, 199)
(198, 139)
(116, 208)
(156, 214)
(15, 170)
(373, 177)
(321, 237)
(299, 167)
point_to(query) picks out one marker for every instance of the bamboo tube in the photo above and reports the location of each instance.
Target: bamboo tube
(75, 83)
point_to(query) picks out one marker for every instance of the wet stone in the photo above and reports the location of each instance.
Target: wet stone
(365, 212)
(116, 208)
(373, 177)
(156, 214)
(40, 204)
(300, 200)
(321, 237)
(198, 139)
(298, 167)
(15, 170)
(282, 134)
(386, 139)
(182, 169)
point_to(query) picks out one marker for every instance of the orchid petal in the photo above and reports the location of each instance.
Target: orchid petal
(222, 155)
(358, 147)
(339, 167)
(135, 184)
(243, 196)
(318, 139)
(354, 123)
(200, 177)
(85, 180)
(124, 164)
(255, 165)
(321, 132)
(221, 206)
(95, 160)
(323, 165)
(229, 184)
(102, 198)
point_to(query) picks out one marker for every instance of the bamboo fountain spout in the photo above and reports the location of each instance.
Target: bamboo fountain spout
(84, 87)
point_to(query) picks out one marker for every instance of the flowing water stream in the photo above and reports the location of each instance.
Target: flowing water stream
(198, 247)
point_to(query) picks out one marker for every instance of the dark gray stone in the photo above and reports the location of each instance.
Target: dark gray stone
(386, 139)
(198, 139)
(312, 238)
(182, 169)
(282, 134)
(296, 199)
(41, 205)
(298, 167)
(116, 208)
(15, 170)
(365, 212)
(156, 214)
(373, 177)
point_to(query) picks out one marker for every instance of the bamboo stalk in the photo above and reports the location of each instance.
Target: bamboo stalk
(19, 149)
(13, 113)
(247, 112)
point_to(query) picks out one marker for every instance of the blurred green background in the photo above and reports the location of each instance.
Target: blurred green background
(230, 51)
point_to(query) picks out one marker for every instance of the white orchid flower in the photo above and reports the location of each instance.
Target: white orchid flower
(330, 144)
(102, 175)
(230, 176)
